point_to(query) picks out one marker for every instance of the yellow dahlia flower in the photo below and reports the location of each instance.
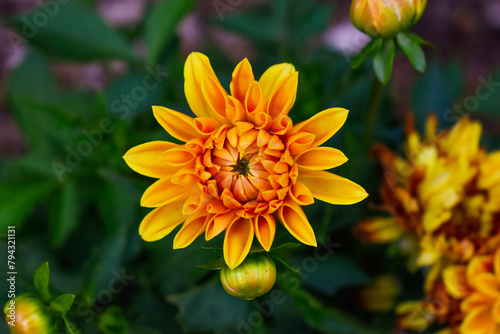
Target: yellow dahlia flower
(386, 18)
(243, 162)
(444, 206)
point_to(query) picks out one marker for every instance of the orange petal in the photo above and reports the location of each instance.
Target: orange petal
(145, 159)
(242, 80)
(273, 76)
(332, 188)
(234, 110)
(191, 229)
(215, 96)
(297, 143)
(205, 125)
(164, 191)
(265, 228)
(254, 100)
(197, 68)
(301, 194)
(487, 284)
(323, 125)
(475, 300)
(283, 98)
(478, 264)
(478, 321)
(177, 156)
(295, 221)
(161, 221)
(496, 263)
(179, 126)
(455, 281)
(219, 223)
(320, 158)
(237, 242)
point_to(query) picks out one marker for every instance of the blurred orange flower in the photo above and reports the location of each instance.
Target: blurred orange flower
(243, 162)
(444, 202)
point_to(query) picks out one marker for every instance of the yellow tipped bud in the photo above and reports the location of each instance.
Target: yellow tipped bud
(386, 18)
(27, 314)
(252, 278)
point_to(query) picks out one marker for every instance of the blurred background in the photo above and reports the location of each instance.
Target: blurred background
(77, 81)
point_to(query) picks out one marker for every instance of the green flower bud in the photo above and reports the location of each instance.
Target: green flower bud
(27, 314)
(386, 18)
(254, 277)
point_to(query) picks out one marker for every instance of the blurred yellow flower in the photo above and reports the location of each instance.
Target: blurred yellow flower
(380, 295)
(243, 162)
(444, 195)
(385, 18)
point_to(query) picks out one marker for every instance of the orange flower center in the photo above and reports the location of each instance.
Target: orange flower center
(246, 168)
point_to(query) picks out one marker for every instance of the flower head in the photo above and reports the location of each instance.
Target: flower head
(243, 162)
(385, 18)
(443, 198)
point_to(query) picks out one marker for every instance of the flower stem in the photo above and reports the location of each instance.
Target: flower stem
(373, 110)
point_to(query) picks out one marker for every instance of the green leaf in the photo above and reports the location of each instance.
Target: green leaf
(18, 199)
(382, 61)
(161, 23)
(64, 217)
(413, 51)
(70, 327)
(62, 304)
(41, 280)
(327, 320)
(368, 51)
(288, 245)
(72, 31)
(216, 264)
(113, 321)
(417, 39)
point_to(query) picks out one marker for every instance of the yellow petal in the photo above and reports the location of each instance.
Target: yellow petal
(237, 242)
(179, 126)
(191, 229)
(242, 80)
(164, 191)
(332, 188)
(197, 68)
(320, 158)
(283, 98)
(265, 228)
(215, 96)
(378, 230)
(177, 156)
(161, 221)
(145, 159)
(295, 221)
(323, 125)
(455, 281)
(273, 76)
